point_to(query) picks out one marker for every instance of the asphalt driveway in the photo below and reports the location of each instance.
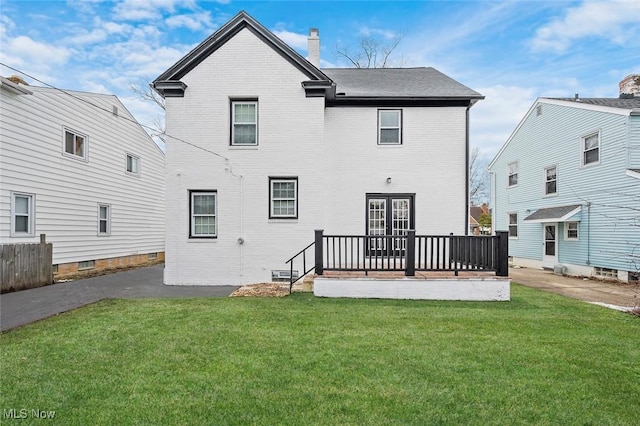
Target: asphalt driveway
(27, 306)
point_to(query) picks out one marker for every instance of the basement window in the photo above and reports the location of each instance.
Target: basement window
(87, 264)
(606, 272)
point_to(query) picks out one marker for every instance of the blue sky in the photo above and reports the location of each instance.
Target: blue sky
(510, 51)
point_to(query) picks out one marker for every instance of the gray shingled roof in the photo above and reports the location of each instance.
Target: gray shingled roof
(609, 102)
(397, 82)
(551, 214)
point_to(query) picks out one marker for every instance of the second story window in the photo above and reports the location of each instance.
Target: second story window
(512, 171)
(591, 149)
(551, 179)
(389, 127)
(75, 144)
(244, 123)
(133, 164)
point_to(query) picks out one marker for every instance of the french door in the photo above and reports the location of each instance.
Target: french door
(389, 215)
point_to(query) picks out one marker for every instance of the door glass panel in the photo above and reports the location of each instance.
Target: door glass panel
(550, 240)
(400, 221)
(377, 222)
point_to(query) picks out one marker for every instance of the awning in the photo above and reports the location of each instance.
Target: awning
(556, 214)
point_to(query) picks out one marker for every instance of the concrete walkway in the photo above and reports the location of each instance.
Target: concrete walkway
(589, 290)
(27, 306)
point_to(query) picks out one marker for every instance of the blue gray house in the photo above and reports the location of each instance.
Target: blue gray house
(566, 185)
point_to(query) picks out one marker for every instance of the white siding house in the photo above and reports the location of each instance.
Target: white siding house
(263, 148)
(78, 168)
(566, 185)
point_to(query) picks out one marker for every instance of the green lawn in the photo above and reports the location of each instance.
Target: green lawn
(539, 359)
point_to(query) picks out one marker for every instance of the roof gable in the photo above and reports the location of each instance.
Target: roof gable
(241, 21)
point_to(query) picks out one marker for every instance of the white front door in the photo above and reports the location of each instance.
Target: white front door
(549, 245)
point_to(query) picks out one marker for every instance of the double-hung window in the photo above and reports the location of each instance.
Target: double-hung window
(75, 144)
(104, 219)
(22, 215)
(283, 198)
(550, 180)
(512, 171)
(591, 149)
(133, 164)
(389, 127)
(203, 214)
(571, 231)
(244, 123)
(513, 225)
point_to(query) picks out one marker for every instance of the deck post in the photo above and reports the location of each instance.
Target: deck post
(503, 254)
(410, 261)
(318, 251)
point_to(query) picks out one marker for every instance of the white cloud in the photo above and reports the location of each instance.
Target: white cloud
(295, 40)
(389, 35)
(194, 22)
(23, 50)
(496, 117)
(616, 21)
(138, 10)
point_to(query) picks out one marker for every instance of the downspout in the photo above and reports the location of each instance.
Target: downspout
(588, 233)
(466, 174)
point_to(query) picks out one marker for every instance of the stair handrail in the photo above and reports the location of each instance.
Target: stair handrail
(304, 266)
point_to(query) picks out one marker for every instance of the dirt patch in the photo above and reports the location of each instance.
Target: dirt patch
(262, 290)
(98, 272)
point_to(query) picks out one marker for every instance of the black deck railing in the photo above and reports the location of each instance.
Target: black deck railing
(408, 253)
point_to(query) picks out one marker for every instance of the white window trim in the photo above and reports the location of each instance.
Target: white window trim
(509, 225)
(509, 174)
(545, 181)
(192, 216)
(107, 219)
(381, 128)
(235, 102)
(31, 214)
(85, 153)
(566, 231)
(126, 164)
(583, 151)
(273, 180)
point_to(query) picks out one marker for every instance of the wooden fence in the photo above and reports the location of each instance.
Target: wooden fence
(25, 266)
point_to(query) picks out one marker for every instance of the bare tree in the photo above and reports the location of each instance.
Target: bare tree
(372, 52)
(478, 178)
(144, 91)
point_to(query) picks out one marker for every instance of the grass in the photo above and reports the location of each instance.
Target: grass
(539, 359)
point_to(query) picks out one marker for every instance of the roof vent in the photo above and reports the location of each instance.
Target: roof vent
(577, 97)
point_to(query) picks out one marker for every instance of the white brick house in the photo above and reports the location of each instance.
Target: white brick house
(264, 147)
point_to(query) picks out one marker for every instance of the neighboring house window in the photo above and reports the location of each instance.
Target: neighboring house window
(244, 119)
(550, 180)
(571, 230)
(104, 219)
(512, 171)
(389, 127)
(133, 164)
(203, 214)
(22, 215)
(591, 149)
(75, 144)
(283, 198)
(513, 225)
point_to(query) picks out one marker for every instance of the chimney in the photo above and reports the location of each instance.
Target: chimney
(314, 47)
(630, 86)
(17, 80)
